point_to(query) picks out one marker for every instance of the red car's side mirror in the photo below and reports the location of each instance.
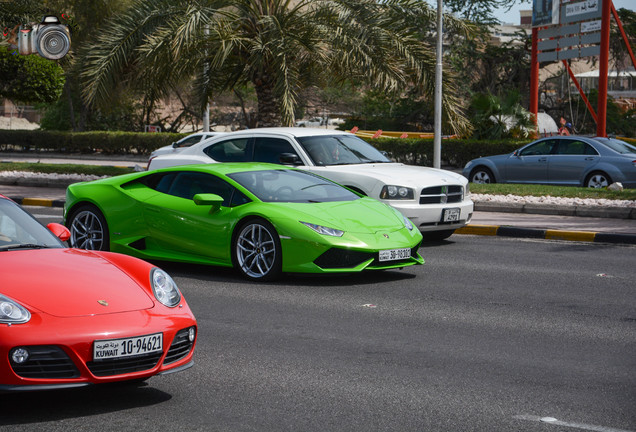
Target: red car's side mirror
(59, 230)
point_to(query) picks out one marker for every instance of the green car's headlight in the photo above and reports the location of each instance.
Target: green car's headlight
(324, 230)
(407, 223)
(164, 288)
(396, 192)
(11, 312)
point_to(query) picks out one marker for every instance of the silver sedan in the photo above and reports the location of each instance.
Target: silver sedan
(560, 160)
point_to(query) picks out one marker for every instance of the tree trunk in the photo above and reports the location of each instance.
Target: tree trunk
(268, 114)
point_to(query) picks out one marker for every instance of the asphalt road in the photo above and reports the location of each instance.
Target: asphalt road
(491, 334)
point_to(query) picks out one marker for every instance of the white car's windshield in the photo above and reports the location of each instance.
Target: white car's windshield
(340, 150)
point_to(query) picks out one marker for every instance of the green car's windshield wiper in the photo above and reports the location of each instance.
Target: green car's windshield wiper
(24, 246)
(318, 184)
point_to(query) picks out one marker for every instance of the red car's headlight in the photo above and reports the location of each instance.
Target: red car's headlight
(11, 312)
(164, 288)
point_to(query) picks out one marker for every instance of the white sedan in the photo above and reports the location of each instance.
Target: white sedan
(177, 146)
(435, 200)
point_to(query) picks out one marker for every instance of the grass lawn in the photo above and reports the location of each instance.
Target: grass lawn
(493, 189)
(555, 191)
(64, 168)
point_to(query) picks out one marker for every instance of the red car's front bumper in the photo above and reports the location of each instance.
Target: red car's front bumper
(61, 349)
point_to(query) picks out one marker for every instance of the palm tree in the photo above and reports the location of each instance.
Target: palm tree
(497, 117)
(278, 47)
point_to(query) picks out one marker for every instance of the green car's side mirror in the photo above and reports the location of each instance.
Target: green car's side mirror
(208, 199)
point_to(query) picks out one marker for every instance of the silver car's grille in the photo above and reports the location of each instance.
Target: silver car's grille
(442, 194)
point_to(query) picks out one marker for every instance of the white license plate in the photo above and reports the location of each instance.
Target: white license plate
(126, 347)
(395, 254)
(451, 215)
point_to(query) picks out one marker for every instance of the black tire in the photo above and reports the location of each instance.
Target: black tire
(437, 235)
(256, 250)
(598, 179)
(88, 228)
(482, 175)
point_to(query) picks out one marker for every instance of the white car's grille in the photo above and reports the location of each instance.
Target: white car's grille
(442, 194)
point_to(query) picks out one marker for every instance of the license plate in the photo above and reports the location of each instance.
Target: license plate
(451, 215)
(126, 347)
(395, 254)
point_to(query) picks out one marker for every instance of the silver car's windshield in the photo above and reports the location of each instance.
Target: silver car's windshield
(619, 146)
(340, 150)
(291, 186)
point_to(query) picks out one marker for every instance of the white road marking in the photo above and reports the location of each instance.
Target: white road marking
(556, 422)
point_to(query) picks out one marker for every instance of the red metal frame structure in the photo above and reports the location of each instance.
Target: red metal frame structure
(601, 116)
(578, 86)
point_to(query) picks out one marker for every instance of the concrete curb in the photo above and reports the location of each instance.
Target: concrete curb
(41, 202)
(547, 234)
(558, 210)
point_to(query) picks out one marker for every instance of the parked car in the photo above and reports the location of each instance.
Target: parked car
(70, 317)
(312, 122)
(436, 201)
(560, 160)
(263, 219)
(177, 146)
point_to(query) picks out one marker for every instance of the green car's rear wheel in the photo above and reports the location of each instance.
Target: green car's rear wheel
(257, 251)
(88, 228)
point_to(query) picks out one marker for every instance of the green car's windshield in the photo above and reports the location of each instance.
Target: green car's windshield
(340, 150)
(291, 186)
(19, 230)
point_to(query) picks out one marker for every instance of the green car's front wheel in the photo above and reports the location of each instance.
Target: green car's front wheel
(257, 251)
(88, 228)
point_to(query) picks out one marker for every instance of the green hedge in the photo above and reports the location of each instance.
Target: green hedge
(85, 142)
(455, 152)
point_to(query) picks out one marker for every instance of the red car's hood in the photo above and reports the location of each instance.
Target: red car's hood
(69, 282)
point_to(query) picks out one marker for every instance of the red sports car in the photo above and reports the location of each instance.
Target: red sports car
(71, 317)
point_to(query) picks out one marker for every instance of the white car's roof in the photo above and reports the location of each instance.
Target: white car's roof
(289, 131)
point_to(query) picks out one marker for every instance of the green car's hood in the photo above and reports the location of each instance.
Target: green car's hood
(360, 216)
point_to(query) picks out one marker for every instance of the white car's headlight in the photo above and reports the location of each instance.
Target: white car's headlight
(396, 192)
(164, 288)
(11, 312)
(323, 229)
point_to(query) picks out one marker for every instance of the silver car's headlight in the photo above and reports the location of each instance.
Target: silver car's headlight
(164, 288)
(324, 230)
(11, 312)
(396, 192)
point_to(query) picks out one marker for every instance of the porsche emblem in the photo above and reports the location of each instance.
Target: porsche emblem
(102, 302)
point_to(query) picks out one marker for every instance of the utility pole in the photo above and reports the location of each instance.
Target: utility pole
(206, 68)
(437, 142)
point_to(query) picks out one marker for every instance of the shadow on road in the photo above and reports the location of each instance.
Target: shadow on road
(229, 275)
(54, 405)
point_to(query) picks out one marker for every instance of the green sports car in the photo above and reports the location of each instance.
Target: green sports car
(263, 219)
